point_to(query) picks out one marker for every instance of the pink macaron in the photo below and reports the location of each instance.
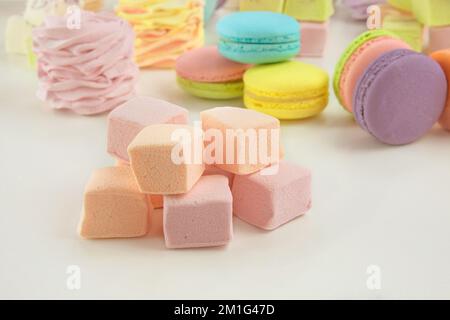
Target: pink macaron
(203, 72)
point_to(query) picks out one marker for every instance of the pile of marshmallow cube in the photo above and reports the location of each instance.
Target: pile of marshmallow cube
(198, 198)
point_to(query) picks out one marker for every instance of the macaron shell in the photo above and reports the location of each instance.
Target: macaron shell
(400, 97)
(262, 27)
(360, 60)
(443, 58)
(208, 65)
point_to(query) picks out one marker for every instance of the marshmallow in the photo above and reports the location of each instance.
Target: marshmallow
(231, 122)
(314, 38)
(269, 201)
(154, 200)
(126, 121)
(200, 218)
(113, 205)
(167, 158)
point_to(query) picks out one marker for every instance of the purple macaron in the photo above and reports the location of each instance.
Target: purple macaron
(400, 96)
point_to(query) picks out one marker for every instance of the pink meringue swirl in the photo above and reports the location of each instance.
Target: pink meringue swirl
(88, 70)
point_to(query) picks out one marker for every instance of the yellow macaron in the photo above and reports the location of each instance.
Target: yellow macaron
(287, 90)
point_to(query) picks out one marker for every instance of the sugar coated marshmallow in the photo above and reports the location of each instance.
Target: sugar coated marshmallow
(113, 205)
(160, 160)
(269, 201)
(200, 218)
(250, 139)
(126, 121)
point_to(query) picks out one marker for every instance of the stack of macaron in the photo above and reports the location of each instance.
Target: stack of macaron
(163, 162)
(394, 93)
(253, 59)
(164, 29)
(312, 16)
(89, 69)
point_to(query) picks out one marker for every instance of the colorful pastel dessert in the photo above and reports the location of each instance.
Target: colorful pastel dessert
(443, 58)
(164, 29)
(151, 158)
(87, 70)
(307, 10)
(113, 206)
(358, 8)
(126, 121)
(269, 201)
(357, 57)
(400, 96)
(188, 179)
(287, 90)
(203, 72)
(231, 122)
(432, 13)
(314, 38)
(258, 37)
(203, 217)
(262, 5)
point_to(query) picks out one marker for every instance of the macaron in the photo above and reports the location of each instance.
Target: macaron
(359, 55)
(258, 37)
(204, 73)
(443, 58)
(287, 90)
(400, 96)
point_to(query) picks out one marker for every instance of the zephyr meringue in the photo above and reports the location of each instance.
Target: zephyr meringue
(164, 29)
(88, 69)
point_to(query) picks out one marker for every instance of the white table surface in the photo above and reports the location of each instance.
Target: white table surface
(373, 205)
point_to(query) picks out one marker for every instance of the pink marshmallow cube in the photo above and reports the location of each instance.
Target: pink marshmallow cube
(126, 121)
(313, 39)
(200, 218)
(269, 201)
(438, 38)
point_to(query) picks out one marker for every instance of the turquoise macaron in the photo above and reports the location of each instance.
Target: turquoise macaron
(258, 37)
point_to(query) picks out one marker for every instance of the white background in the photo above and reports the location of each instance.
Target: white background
(373, 205)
